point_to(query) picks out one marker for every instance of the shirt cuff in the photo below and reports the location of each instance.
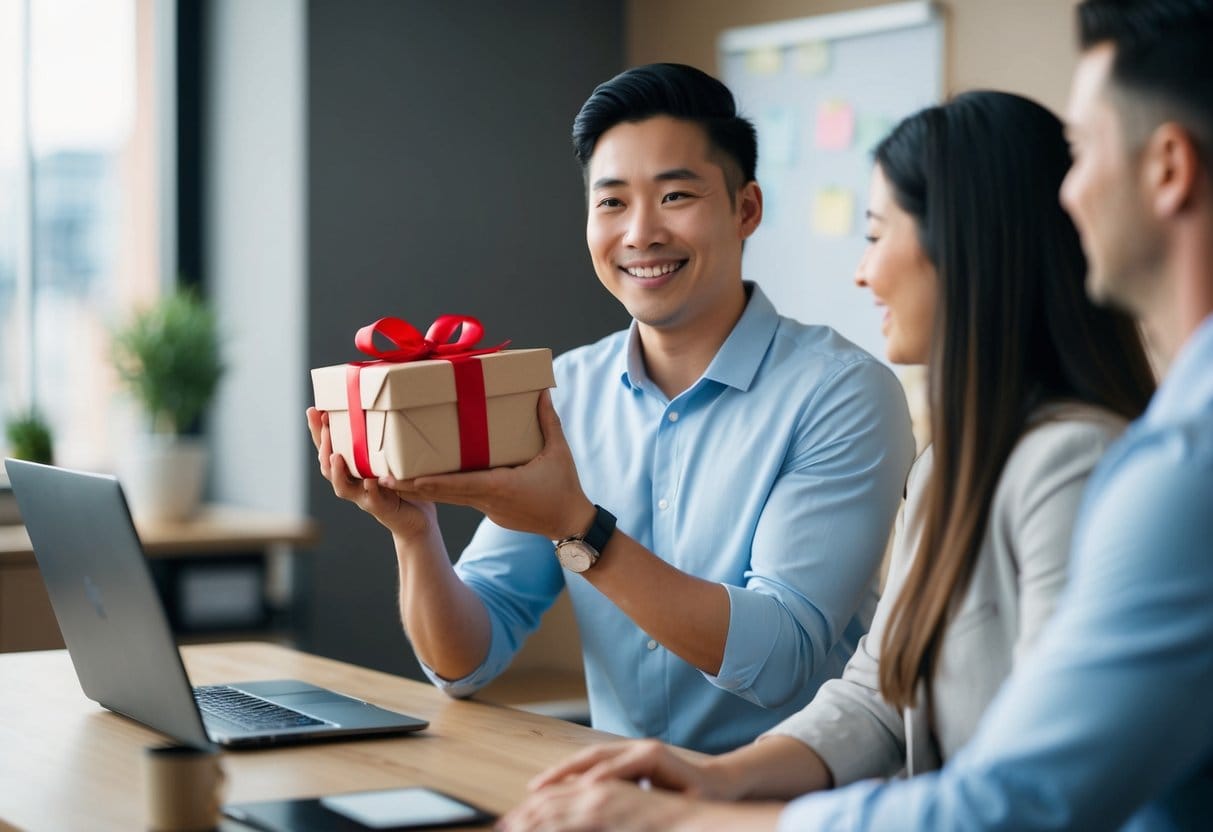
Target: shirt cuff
(459, 688)
(754, 625)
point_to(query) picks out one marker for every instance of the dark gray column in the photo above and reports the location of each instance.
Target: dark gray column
(440, 179)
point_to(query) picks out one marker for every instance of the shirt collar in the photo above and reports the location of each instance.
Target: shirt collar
(1188, 385)
(737, 361)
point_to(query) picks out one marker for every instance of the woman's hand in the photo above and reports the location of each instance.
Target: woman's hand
(576, 806)
(542, 497)
(641, 760)
(406, 518)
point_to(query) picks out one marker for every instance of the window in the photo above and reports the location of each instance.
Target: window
(80, 184)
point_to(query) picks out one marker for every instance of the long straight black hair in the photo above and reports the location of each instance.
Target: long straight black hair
(1013, 329)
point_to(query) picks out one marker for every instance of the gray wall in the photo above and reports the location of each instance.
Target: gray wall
(440, 178)
(255, 215)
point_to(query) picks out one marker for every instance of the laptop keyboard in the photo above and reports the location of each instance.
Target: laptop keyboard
(247, 711)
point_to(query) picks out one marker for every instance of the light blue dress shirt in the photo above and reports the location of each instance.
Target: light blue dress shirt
(777, 474)
(1109, 723)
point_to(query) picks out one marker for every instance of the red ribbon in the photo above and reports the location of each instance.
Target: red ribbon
(437, 344)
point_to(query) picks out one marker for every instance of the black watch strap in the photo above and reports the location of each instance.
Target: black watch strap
(600, 530)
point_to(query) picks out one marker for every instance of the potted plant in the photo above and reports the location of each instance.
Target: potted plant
(29, 437)
(168, 357)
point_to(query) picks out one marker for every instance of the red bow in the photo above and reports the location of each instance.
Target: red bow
(410, 346)
(437, 344)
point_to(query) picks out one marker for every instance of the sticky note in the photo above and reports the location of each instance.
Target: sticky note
(835, 125)
(777, 136)
(766, 60)
(833, 212)
(811, 59)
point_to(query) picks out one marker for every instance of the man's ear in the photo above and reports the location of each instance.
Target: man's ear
(749, 208)
(1170, 168)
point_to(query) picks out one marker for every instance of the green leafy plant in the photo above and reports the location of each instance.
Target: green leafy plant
(168, 356)
(29, 437)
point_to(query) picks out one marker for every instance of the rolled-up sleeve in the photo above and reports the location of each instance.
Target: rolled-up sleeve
(820, 538)
(517, 579)
(849, 724)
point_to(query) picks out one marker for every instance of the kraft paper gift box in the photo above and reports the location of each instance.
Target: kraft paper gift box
(421, 418)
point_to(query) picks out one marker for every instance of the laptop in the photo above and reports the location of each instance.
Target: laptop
(120, 643)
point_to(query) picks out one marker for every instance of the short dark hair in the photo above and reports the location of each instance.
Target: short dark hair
(1014, 330)
(675, 90)
(1164, 53)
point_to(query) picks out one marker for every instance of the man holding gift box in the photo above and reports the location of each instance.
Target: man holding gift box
(754, 463)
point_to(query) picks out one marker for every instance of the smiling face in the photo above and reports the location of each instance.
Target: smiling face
(895, 269)
(663, 232)
(1101, 191)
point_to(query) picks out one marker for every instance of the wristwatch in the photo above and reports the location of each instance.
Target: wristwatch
(581, 551)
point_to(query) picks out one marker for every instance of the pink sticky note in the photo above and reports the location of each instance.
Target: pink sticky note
(835, 125)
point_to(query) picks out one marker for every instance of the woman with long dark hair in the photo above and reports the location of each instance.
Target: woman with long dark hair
(980, 273)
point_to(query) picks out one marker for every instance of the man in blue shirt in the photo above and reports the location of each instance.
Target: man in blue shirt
(1108, 723)
(754, 463)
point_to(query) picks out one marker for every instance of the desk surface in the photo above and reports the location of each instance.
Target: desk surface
(67, 763)
(215, 530)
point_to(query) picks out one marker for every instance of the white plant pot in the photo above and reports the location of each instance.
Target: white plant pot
(163, 476)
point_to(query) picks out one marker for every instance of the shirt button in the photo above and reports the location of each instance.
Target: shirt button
(652, 645)
(673, 417)
(663, 504)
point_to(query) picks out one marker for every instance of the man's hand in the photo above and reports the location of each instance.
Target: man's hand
(543, 497)
(405, 518)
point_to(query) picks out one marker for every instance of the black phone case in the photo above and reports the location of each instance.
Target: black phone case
(310, 815)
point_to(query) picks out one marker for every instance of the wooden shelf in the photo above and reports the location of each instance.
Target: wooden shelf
(28, 623)
(217, 529)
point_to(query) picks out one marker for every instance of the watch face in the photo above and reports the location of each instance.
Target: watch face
(576, 555)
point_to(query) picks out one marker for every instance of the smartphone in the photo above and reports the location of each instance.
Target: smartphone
(416, 807)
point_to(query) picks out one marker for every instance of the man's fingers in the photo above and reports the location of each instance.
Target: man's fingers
(549, 421)
(453, 488)
(326, 453)
(314, 425)
(344, 486)
(380, 501)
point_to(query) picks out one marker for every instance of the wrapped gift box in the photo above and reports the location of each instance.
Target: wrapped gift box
(412, 413)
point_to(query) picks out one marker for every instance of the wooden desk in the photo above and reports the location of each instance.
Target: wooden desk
(27, 621)
(67, 763)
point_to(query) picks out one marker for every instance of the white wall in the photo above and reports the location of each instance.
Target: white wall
(255, 227)
(1026, 46)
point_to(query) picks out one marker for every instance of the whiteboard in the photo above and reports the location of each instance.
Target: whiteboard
(822, 91)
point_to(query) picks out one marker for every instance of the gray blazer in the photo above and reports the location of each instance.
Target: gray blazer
(1019, 572)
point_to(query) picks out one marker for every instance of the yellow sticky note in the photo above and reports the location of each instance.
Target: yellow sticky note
(833, 212)
(766, 60)
(811, 58)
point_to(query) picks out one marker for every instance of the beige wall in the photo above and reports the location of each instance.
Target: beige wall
(1026, 46)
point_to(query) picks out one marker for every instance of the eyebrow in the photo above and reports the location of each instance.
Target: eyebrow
(872, 215)
(672, 175)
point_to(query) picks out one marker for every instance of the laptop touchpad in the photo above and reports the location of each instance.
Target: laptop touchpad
(311, 697)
